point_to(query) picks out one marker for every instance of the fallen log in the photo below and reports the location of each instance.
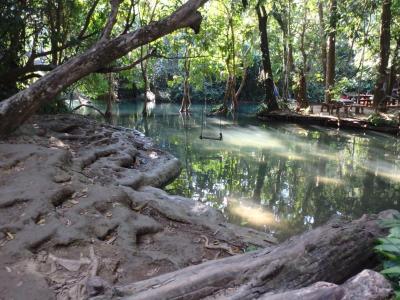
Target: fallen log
(332, 253)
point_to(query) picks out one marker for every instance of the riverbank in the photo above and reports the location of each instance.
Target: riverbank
(82, 216)
(344, 122)
(81, 200)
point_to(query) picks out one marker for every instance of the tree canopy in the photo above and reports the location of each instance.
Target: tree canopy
(314, 48)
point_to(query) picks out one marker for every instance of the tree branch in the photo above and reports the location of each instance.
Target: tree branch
(152, 53)
(67, 45)
(90, 106)
(87, 20)
(112, 19)
(129, 22)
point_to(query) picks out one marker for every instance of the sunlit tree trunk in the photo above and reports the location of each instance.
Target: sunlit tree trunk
(147, 93)
(302, 100)
(379, 90)
(322, 36)
(270, 99)
(331, 55)
(394, 69)
(284, 20)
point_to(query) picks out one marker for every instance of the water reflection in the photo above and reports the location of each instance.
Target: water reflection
(284, 178)
(255, 215)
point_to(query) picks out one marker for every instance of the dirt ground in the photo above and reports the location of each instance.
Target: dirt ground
(81, 210)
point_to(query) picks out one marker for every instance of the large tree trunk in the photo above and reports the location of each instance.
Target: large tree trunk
(322, 38)
(379, 90)
(302, 101)
(333, 253)
(394, 69)
(270, 99)
(147, 93)
(331, 56)
(284, 20)
(16, 109)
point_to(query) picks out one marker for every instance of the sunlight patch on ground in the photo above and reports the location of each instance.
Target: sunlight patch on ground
(328, 180)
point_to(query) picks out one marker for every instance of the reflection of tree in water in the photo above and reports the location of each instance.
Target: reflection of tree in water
(314, 176)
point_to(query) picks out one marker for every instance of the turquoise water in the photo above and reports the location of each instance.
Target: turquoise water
(281, 178)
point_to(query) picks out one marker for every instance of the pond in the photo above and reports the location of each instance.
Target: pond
(281, 178)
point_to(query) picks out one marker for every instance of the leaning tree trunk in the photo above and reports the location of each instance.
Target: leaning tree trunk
(270, 99)
(333, 253)
(16, 109)
(331, 55)
(379, 90)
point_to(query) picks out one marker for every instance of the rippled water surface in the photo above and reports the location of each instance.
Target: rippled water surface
(282, 178)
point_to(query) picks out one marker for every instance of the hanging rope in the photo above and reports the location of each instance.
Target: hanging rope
(202, 137)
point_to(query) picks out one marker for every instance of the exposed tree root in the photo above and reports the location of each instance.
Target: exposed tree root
(332, 253)
(69, 185)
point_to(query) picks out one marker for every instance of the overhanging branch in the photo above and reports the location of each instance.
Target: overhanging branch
(128, 67)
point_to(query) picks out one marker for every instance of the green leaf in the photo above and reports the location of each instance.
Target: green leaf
(395, 232)
(392, 271)
(388, 248)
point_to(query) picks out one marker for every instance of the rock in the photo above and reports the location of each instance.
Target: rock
(96, 286)
(366, 285)
(61, 178)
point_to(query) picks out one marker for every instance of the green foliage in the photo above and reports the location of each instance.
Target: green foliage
(378, 119)
(389, 250)
(93, 85)
(227, 44)
(57, 106)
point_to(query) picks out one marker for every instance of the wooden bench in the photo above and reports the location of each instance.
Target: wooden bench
(358, 107)
(330, 107)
